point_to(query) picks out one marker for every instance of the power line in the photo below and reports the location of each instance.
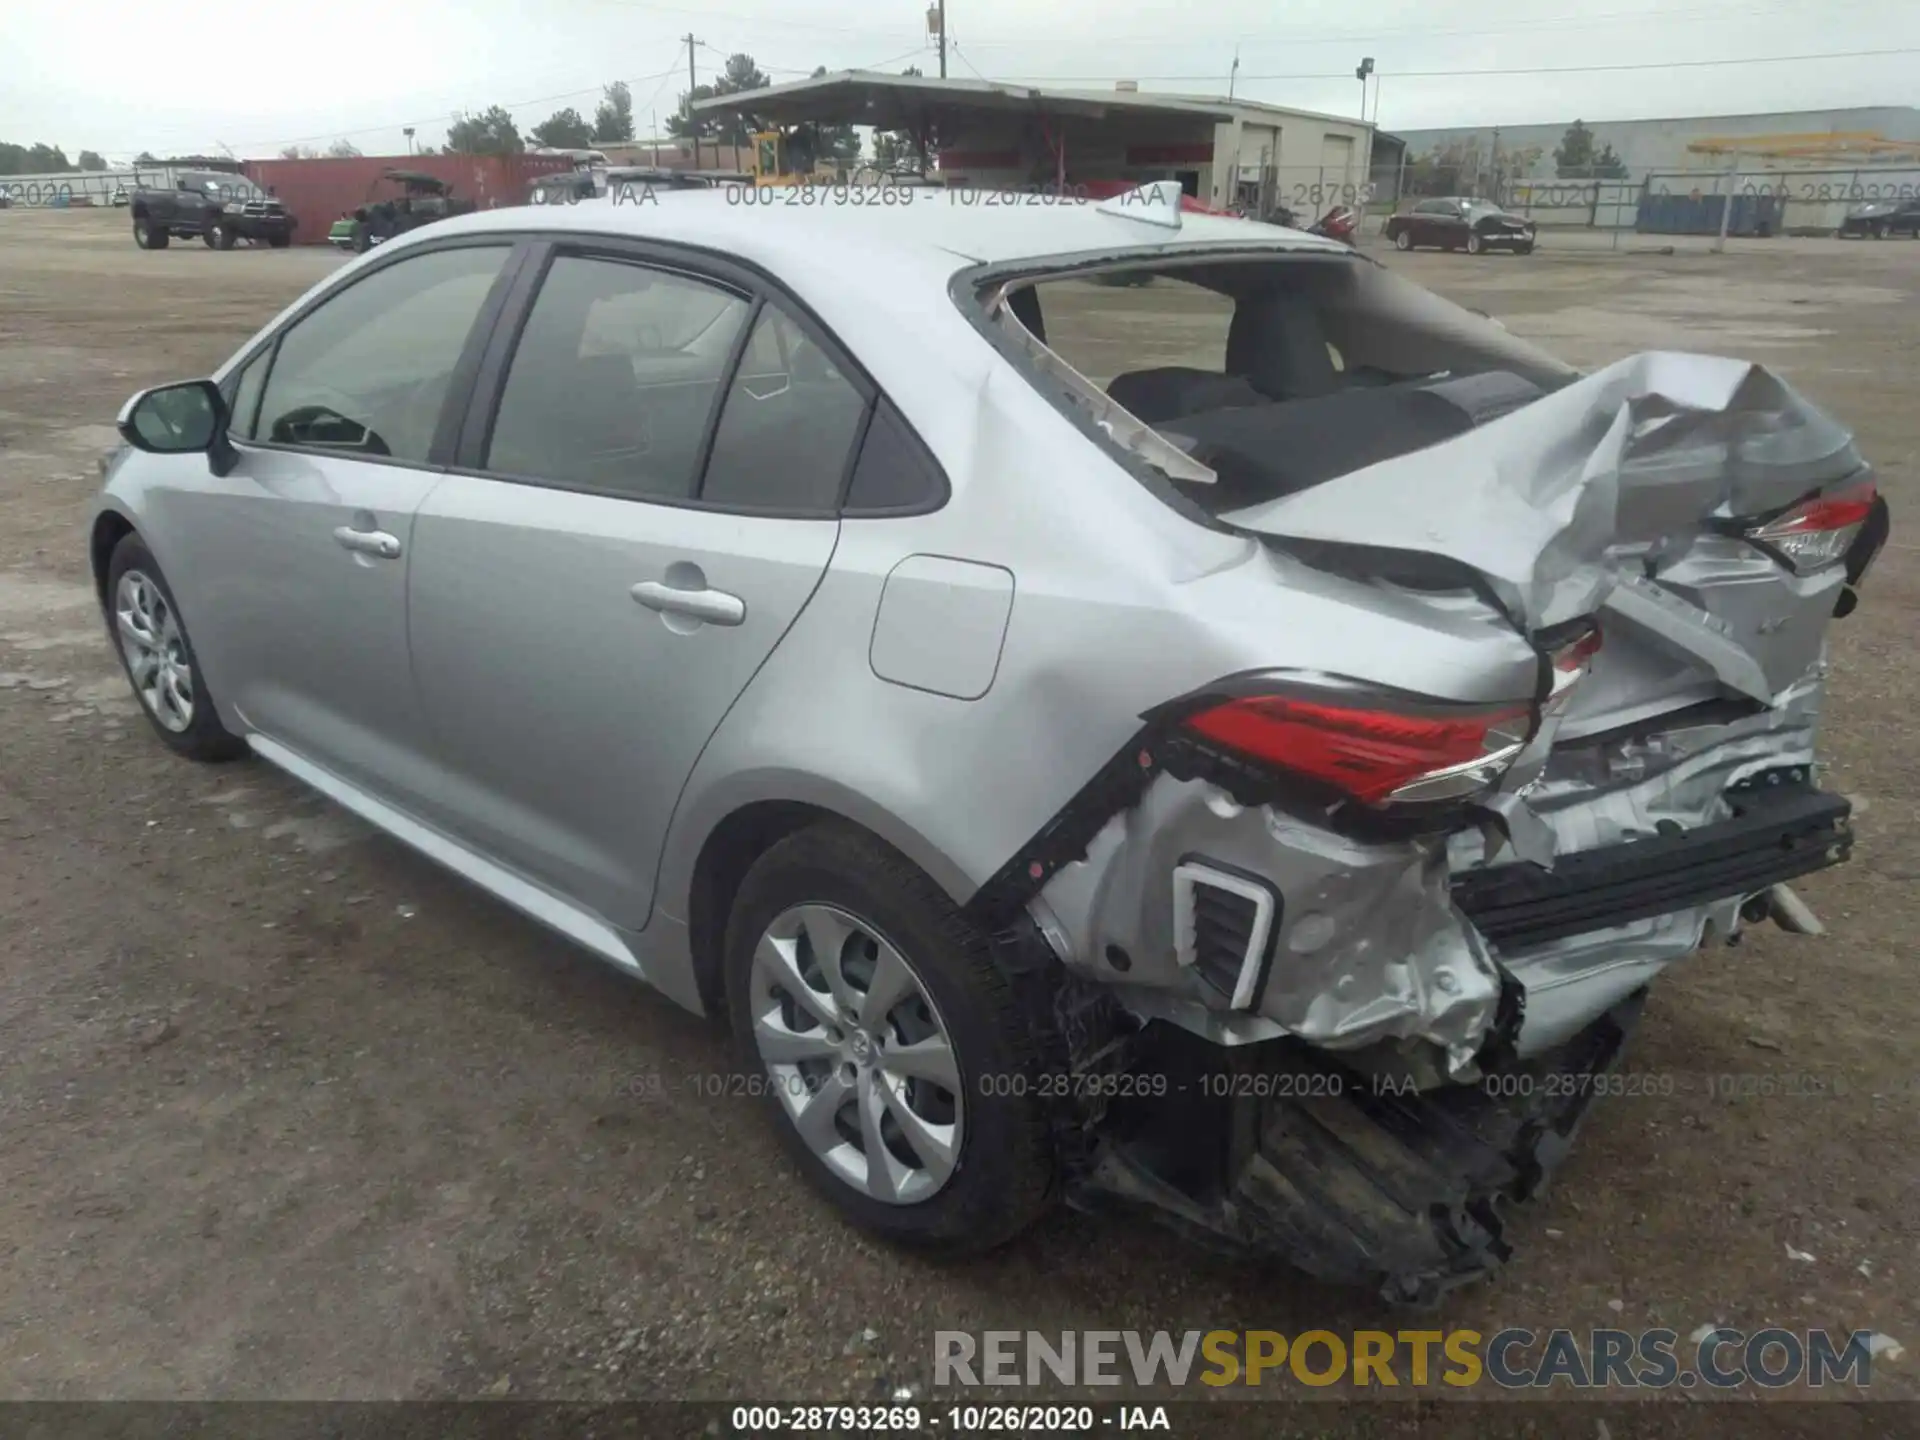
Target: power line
(1266, 37)
(1298, 35)
(1510, 70)
(756, 20)
(440, 118)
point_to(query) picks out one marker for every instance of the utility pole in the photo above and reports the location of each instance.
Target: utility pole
(937, 22)
(1726, 205)
(693, 125)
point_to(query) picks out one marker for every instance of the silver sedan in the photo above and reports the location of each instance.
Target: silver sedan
(1247, 760)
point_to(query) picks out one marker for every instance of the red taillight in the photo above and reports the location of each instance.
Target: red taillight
(1820, 531)
(1372, 753)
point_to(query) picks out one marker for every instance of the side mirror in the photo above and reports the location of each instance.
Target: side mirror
(188, 418)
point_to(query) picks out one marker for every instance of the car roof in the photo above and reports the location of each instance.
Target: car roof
(935, 228)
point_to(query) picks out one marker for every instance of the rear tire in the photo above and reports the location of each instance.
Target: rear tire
(139, 602)
(879, 909)
(1403, 240)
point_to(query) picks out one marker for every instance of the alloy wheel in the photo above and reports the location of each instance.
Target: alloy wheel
(858, 1054)
(155, 649)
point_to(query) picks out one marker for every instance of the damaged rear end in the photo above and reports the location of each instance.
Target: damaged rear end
(1351, 953)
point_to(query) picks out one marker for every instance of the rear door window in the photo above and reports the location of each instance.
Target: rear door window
(614, 378)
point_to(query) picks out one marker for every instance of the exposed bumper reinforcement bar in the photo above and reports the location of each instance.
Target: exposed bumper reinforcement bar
(1778, 832)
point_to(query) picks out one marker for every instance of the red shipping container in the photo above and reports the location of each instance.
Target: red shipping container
(319, 192)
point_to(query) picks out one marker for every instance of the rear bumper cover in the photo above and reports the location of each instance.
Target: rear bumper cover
(1778, 832)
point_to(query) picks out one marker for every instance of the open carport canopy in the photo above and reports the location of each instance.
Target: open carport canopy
(914, 102)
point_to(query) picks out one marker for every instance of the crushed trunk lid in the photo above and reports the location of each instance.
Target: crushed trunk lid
(1590, 488)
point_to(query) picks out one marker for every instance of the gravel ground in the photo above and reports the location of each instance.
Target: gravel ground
(287, 1112)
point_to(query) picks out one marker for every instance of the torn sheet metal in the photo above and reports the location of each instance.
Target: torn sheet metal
(1643, 451)
(1369, 946)
(1609, 791)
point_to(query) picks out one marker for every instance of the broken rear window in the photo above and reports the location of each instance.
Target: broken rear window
(1247, 378)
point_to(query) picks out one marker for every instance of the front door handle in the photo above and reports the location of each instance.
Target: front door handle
(368, 542)
(716, 607)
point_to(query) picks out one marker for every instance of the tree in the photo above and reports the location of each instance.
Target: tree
(563, 130)
(146, 157)
(344, 150)
(682, 123)
(33, 160)
(492, 132)
(91, 160)
(299, 152)
(1574, 158)
(739, 74)
(613, 117)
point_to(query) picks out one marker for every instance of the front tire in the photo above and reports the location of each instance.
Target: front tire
(149, 236)
(898, 1069)
(1475, 245)
(151, 640)
(219, 235)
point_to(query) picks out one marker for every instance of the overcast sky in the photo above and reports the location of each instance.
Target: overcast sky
(116, 77)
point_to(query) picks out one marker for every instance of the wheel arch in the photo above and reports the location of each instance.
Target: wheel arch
(109, 528)
(700, 878)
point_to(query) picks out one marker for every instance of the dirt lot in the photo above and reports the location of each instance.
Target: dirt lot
(285, 1111)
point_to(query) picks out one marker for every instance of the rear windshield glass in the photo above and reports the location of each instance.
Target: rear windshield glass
(1242, 379)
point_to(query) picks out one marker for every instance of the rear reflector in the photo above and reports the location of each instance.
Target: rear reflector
(1372, 753)
(1820, 531)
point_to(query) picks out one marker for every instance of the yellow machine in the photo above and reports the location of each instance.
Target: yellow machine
(774, 165)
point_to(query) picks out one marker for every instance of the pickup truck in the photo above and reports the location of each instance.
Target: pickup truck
(220, 209)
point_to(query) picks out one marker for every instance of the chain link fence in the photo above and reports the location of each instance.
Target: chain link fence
(92, 187)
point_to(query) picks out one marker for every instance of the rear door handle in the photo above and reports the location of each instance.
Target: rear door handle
(368, 542)
(716, 607)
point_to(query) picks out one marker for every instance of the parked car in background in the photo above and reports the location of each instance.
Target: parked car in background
(1883, 218)
(220, 209)
(1260, 788)
(399, 201)
(630, 181)
(1458, 223)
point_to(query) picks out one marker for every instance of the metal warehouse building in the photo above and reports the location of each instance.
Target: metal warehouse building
(1654, 146)
(1222, 151)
